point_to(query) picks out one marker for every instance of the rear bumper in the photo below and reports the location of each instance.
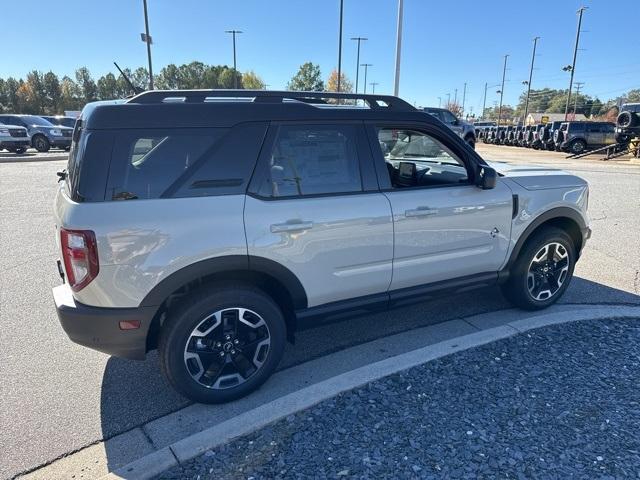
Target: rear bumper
(99, 328)
(62, 142)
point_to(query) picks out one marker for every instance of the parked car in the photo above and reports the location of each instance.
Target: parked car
(324, 211)
(464, 129)
(578, 137)
(61, 120)
(14, 138)
(545, 135)
(43, 134)
(628, 123)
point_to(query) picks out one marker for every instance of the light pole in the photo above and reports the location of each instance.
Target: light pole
(439, 102)
(235, 70)
(396, 83)
(572, 69)
(147, 39)
(455, 97)
(504, 72)
(358, 39)
(448, 100)
(366, 66)
(340, 46)
(533, 58)
(373, 86)
(464, 96)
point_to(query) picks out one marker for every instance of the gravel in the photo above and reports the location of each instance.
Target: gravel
(558, 402)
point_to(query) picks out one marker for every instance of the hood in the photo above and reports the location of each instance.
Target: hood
(46, 127)
(537, 177)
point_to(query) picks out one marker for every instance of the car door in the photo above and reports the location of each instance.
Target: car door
(595, 134)
(445, 227)
(314, 207)
(609, 133)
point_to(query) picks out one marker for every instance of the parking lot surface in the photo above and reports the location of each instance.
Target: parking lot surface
(562, 403)
(59, 397)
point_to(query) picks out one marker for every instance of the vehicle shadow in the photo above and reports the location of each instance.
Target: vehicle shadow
(134, 393)
(33, 156)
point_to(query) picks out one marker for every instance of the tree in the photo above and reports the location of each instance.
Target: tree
(632, 96)
(52, 93)
(70, 95)
(308, 79)
(454, 108)
(345, 84)
(168, 78)
(252, 81)
(108, 87)
(226, 78)
(88, 88)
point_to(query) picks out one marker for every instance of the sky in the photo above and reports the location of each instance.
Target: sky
(445, 44)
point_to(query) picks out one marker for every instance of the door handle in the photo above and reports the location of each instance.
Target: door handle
(291, 227)
(420, 212)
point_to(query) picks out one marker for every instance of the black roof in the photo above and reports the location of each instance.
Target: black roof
(224, 108)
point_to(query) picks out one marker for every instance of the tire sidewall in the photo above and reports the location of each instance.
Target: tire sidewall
(581, 149)
(178, 328)
(44, 147)
(518, 289)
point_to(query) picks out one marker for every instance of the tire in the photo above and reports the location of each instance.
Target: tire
(181, 338)
(40, 143)
(20, 150)
(528, 276)
(627, 120)
(578, 146)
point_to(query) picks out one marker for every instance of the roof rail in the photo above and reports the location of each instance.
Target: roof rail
(271, 96)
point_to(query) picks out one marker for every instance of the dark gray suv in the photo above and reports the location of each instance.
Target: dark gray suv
(578, 137)
(464, 129)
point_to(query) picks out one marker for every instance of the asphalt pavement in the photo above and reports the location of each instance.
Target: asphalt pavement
(58, 397)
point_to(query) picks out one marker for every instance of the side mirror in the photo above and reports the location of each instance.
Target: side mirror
(487, 178)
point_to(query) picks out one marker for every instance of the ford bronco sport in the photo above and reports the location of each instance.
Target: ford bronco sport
(209, 227)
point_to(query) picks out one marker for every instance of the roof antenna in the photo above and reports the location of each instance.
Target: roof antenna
(136, 90)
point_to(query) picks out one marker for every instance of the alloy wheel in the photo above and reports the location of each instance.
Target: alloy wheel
(227, 347)
(547, 271)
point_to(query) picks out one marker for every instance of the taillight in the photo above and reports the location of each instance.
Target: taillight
(80, 256)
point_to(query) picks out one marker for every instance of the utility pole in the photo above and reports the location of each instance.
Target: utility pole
(235, 70)
(439, 102)
(533, 58)
(484, 100)
(373, 86)
(504, 72)
(455, 96)
(358, 39)
(340, 46)
(396, 84)
(575, 105)
(464, 96)
(448, 100)
(573, 65)
(366, 66)
(147, 39)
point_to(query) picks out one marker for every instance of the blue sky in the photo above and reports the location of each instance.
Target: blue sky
(445, 43)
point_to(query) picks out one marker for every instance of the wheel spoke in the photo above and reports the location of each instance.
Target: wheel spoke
(551, 252)
(245, 367)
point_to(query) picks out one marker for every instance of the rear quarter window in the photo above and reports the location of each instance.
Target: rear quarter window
(156, 163)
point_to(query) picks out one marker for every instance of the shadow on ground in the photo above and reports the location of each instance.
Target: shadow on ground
(134, 393)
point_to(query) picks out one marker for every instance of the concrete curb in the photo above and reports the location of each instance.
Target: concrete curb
(183, 450)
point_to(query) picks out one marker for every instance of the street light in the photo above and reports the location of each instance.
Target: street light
(373, 86)
(146, 38)
(235, 70)
(358, 39)
(366, 66)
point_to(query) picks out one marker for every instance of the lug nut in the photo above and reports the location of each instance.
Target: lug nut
(222, 354)
(236, 341)
(233, 352)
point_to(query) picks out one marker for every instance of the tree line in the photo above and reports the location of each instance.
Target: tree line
(48, 94)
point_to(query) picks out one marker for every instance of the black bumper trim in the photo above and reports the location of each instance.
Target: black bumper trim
(98, 327)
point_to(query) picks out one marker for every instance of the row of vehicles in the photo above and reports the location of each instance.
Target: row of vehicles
(573, 137)
(19, 132)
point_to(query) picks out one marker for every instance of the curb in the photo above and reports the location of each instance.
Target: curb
(183, 450)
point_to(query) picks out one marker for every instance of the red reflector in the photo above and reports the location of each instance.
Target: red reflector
(129, 324)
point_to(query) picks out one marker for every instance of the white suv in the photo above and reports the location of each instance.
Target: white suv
(207, 224)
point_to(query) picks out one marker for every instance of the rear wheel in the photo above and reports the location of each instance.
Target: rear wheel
(221, 345)
(41, 143)
(578, 146)
(542, 271)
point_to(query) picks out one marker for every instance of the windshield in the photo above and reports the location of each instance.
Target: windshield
(33, 120)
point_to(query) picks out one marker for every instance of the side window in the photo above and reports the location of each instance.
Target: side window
(146, 163)
(313, 160)
(448, 117)
(416, 159)
(577, 127)
(595, 127)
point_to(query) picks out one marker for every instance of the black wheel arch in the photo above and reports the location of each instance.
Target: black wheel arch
(564, 218)
(273, 278)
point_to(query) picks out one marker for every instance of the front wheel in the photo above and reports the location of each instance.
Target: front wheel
(222, 344)
(41, 143)
(543, 270)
